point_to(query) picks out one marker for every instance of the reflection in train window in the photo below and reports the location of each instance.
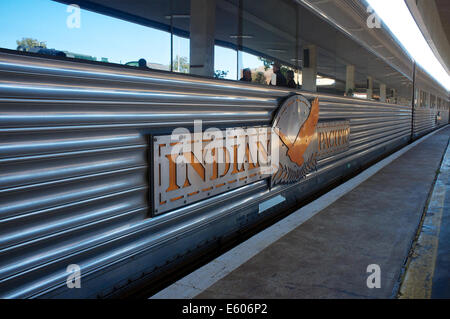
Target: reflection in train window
(225, 63)
(226, 39)
(424, 102)
(180, 57)
(432, 101)
(68, 31)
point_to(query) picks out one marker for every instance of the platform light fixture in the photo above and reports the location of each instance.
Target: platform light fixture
(178, 16)
(276, 50)
(241, 36)
(397, 17)
(322, 81)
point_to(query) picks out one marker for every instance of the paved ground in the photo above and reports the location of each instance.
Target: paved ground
(328, 255)
(428, 268)
(441, 277)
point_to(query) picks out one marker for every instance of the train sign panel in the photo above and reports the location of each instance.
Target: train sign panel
(192, 166)
(189, 167)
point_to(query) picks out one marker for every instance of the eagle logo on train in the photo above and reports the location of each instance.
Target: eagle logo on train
(296, 126)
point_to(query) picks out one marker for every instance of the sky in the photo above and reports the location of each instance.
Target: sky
(99, 35)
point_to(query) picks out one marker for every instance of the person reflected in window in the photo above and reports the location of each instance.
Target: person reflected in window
(280, 79)
(247, 75)
(142, 64)
(290, 80)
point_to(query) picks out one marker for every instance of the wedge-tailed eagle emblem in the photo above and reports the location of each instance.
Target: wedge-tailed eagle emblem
(296, 124)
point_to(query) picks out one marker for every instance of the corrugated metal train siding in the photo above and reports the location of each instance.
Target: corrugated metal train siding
(74, 166)
(425, 120)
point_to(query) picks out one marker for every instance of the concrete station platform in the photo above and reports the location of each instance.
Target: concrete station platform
(323, 250)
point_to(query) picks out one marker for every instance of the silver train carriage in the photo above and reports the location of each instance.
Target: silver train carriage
(75, 168)
(77, 171)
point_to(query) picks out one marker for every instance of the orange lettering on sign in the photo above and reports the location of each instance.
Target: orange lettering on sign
(195, 164)
(227, 161)
(172, 173)
(235, 164)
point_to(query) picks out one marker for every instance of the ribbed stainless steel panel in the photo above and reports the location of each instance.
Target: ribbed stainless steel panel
(74, 168)
(426, 120)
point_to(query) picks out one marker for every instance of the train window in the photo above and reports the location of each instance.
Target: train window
(177, 19)
(70, 31)
(225, 63)
(249, 42)
(180, 54)
(432, 101)
(416, 97)
(269, 46)
(330, 71)
(232, 39)
(256, 68)
(424, 99)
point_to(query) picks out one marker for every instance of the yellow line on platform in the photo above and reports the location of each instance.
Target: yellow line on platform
(418, 279)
